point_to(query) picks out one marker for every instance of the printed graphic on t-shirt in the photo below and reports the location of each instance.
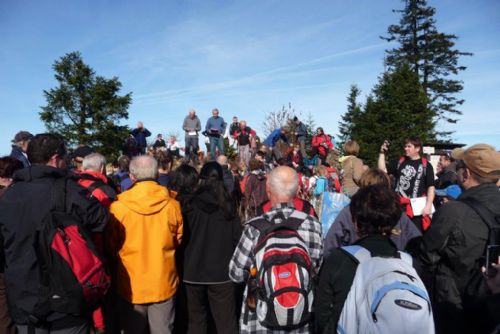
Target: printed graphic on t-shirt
(411, 179)
(407, 174)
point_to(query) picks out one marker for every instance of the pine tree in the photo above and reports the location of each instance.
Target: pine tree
(431, 55)
(85, 108)
(397, 109)
(349, 118)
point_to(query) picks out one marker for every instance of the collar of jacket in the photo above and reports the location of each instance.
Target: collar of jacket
(34, 172)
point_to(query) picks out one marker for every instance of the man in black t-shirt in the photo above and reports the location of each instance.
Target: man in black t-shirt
(414, 177)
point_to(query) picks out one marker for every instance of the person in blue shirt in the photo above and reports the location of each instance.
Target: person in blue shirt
(272, 139)
(215, 128)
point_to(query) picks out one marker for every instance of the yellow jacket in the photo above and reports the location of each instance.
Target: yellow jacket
(145, 231)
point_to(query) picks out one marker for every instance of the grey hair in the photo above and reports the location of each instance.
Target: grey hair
(284, 181)
(94, 161)
(144, 167)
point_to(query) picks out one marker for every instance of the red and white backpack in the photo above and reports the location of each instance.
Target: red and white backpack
(284, 287)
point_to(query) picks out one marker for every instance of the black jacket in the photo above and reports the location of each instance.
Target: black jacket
(209, 240)
(22, 207)
(336, 278)
(455, 241)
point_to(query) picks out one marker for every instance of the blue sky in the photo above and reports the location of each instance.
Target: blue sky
(246, 58)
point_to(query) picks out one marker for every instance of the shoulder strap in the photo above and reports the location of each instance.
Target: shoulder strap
(486, 216)
(357, 252)
(406, 257)
(58, 194)
(306, 206)
(400, 161)
(266, 226)
(424, 164)
(94, 185)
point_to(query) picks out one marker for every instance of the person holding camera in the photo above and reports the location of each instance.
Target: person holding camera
(414, 178)
(140, 134)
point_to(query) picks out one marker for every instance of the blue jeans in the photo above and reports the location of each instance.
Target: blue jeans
(216, 142)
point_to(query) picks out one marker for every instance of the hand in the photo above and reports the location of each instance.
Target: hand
(493, 282)
(427, 211)
(385, 146)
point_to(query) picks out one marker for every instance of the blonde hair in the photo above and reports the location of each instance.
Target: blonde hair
(374, 176)
(351, 148)
(320, 170)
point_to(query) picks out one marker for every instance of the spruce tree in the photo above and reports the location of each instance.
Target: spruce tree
(396, 110)
(432, 56)
(85, 108)
(350, 117)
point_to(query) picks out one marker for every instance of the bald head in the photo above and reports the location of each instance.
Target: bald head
(144, 167)
(282, 184)
(222, 160)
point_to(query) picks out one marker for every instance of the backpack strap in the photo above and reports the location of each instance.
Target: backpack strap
(95, 185)
(400, 161)
(406, 257)
(266, 226)
(357, 252)
(486, 215)
(424, 160)
(58, 194)
(42, 308)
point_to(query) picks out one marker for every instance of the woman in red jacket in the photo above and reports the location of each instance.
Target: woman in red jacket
(321, 145)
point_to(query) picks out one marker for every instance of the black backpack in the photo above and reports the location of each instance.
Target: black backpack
(72, 274)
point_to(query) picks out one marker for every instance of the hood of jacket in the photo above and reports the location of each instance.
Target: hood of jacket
(145, 197)
(205, 201)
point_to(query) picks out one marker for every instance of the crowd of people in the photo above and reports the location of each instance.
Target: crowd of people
(194, 243)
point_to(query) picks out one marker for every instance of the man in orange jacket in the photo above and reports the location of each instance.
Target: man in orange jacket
(145, 231)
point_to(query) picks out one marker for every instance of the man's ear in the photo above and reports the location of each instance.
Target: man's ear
(467, 174)
(132, 177)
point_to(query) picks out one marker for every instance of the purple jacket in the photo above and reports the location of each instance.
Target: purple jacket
(342, 232)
